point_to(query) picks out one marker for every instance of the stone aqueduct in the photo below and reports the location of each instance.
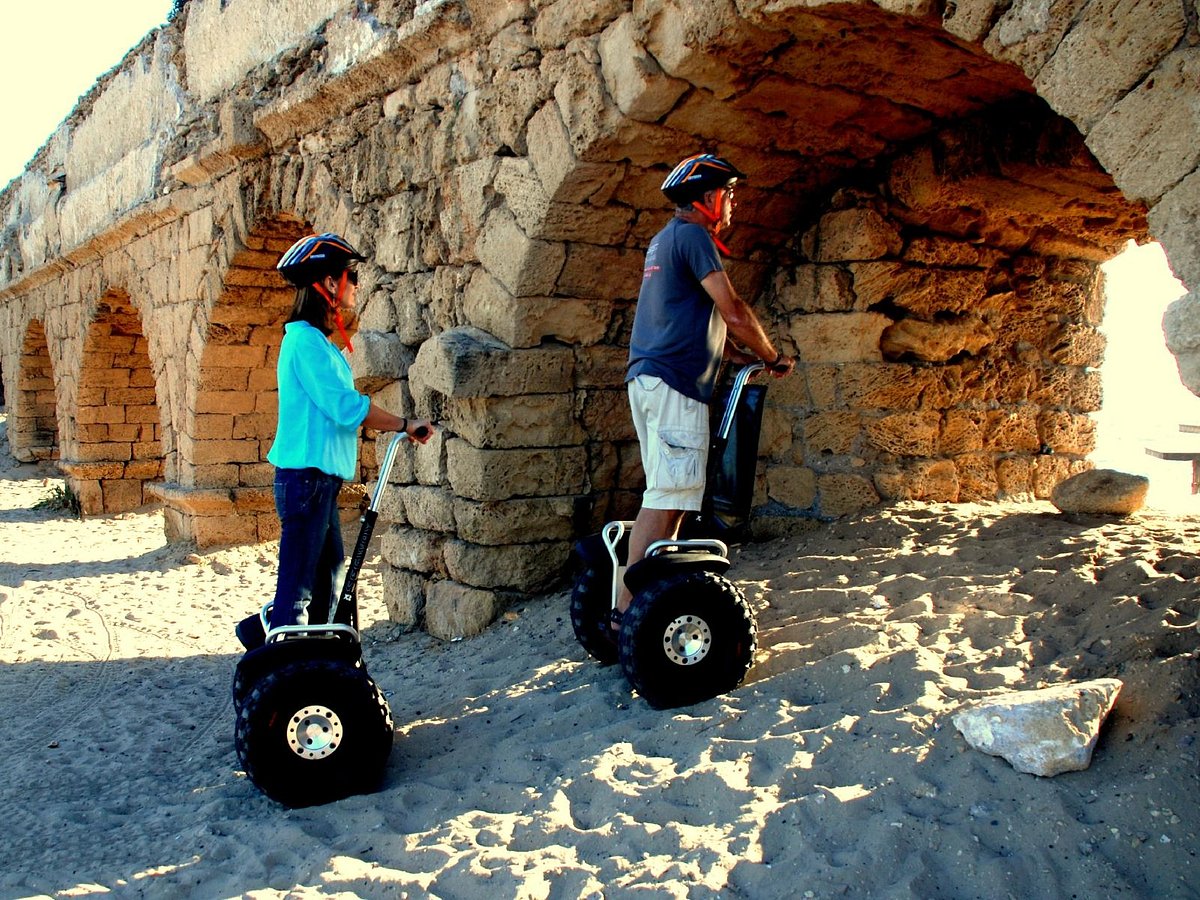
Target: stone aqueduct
(933, 185)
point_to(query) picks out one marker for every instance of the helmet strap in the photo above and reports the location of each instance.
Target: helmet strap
(336, 306)
(713, 216)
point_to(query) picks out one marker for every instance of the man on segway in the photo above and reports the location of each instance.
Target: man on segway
(688, 318)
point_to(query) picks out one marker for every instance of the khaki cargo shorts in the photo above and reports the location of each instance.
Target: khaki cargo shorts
(673, 433)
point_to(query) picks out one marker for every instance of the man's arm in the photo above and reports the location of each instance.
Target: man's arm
(743, 323)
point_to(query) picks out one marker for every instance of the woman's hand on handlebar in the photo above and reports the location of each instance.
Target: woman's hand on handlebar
(420, 430)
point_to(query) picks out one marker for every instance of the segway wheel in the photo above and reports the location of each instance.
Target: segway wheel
(314, 731)
(591, 605)
(687, 638)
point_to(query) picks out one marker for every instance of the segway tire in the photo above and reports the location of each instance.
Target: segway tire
(591, 606)
(314, 731)
(687, 638)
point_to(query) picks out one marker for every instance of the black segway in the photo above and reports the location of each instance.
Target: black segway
(312, 726)
(689, 633)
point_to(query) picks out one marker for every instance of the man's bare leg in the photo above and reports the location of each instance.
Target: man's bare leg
(651, 525)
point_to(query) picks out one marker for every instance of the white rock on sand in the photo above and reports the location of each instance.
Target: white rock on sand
(522, 769)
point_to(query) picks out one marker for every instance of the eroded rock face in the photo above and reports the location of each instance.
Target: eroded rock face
(1044, 732)
(1103, 492)
(917, 226)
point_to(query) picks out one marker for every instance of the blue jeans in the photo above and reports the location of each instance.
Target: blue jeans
(310, 546)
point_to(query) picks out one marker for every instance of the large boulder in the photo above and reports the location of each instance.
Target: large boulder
(1101, 492)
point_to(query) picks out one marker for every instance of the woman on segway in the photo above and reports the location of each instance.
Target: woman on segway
(320, 413)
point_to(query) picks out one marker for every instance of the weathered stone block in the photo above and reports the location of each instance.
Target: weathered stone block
(428, 508)
(1042, 732)
(840, 494)
(414, 550)
(562, 177)
(506, 474)
(526, 267)
(838, 337)
(905, 434)
(377, 360)
(454, 611)
(931, 481)
(935, 341)
(925, 292)
(606, 416)
(1101, 492)
(1014, 475)
(832, 432)
(1008, 430)
(809, 288)
(509, 521)
(632, 76)
(523, 567)
(1108, 50)
(532, 420)
(888, 386)
(1173, 222)
(856, 234)
(1146, 140)
(793, 486)
(601, 273)
(467, 362)
(527, 321)
(403, 595)
(1067, 432)
(976, 476)
(560, 22)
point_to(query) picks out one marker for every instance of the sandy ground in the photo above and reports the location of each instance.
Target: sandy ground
(523, 769)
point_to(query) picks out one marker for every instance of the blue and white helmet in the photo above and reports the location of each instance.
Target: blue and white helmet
(313, 257)
(697, 175)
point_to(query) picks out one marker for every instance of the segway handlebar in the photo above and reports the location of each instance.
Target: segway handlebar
(367, 520)
(735, 395)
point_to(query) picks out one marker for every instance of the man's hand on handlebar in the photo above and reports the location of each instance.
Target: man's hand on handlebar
(783, 365)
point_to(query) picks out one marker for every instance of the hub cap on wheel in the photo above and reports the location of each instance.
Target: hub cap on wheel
(687, 640)
(314, 732)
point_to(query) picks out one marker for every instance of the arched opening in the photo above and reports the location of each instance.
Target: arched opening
(116, 443)
(224, 493)
(919, 226)
(1145, 403)
(32, 421)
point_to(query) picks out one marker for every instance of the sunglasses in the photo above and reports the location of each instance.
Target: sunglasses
(352, 276)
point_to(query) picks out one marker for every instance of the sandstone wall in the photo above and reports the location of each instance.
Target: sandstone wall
(931, 191)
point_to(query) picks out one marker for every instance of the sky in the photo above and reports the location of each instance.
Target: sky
(51, 53)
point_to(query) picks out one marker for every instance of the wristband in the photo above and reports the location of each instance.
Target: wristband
(405, 428)
(778, 359)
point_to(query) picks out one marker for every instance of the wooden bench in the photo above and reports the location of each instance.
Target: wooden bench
(1192, 455)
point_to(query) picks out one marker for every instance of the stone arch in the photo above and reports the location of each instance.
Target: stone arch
(32, 417)
(905, 184)
(224, 489)
(113, 447)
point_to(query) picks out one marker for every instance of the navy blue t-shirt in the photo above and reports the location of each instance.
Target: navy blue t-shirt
(678, 334)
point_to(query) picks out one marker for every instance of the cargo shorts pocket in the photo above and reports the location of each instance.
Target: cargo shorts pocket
(681, 455)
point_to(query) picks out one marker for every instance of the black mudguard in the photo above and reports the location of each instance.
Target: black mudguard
(657, 567)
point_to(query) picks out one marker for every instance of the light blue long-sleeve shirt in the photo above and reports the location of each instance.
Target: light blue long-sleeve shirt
(319, 409)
